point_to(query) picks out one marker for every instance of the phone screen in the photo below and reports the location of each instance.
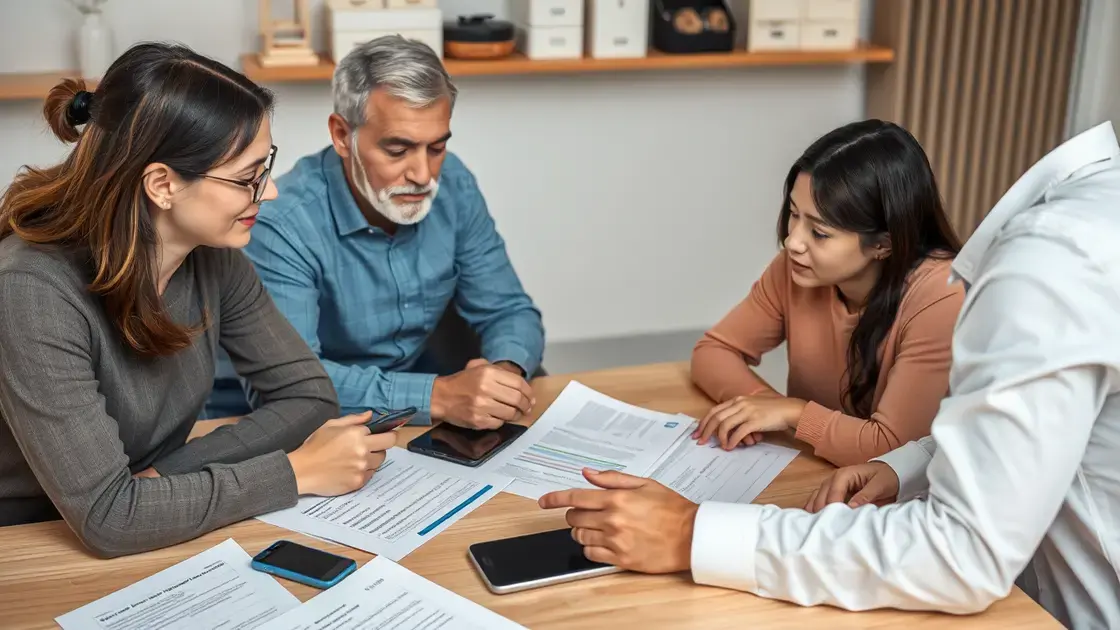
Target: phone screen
(294, 557)
(514, 561)
(464, 445)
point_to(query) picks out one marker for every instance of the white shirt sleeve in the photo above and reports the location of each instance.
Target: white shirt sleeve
(1027, 385)
(909, 462)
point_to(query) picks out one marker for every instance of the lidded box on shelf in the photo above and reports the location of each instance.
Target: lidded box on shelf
(354, 22)
(617, 28)
(549, 29)
(803, 24)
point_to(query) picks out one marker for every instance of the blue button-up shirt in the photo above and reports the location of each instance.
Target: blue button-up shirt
(366, 302)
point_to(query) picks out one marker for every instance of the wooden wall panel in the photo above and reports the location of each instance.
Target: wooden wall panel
(983, 84)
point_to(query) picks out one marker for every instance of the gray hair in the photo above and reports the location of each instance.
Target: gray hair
(407, 69)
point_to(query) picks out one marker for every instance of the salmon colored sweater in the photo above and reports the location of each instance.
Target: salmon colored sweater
(816, 326)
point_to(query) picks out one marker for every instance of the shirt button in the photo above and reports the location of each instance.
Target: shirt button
(370, 230)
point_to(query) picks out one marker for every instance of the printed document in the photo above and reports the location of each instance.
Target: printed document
(585, 429)
(706, 472)
(382, 595)
(409, 500)
(215, 589)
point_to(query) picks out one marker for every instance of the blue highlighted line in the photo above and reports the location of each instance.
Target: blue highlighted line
(427, 530)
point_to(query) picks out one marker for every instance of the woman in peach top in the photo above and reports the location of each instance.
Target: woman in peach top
(861, 296)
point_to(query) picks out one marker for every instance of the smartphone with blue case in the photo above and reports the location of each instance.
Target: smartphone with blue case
(306, 565)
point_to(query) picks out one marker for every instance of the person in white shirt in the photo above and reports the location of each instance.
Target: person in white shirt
(1023, 485)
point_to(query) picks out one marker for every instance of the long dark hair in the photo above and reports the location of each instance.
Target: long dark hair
(156, 103)
(873, 178)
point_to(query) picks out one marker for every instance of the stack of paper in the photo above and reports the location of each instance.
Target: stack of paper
(383, 595)
(409, 500)
(219, 590)
(586, 429)
(215, 589)
(708, 473)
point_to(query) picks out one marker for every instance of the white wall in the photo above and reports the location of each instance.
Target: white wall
(631, 203)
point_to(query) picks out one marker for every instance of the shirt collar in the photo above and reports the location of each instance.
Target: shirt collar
(348, 218)
(1094, 145)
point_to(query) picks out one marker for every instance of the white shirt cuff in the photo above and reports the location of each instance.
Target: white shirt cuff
(723, 544)
(909, 462)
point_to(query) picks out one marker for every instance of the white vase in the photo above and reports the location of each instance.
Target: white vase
(95, 46)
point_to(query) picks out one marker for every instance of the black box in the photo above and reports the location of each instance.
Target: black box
(667, 38)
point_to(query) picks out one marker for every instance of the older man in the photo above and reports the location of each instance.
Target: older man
(380, 237)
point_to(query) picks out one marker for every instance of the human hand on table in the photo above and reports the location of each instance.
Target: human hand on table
(340, 456)
(743, 419)
(873, 482)
(632, 522)
(483, 396)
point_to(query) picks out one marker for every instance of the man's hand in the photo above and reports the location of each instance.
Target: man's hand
(633, 523)
(483, 396)
(508, 366)
(873, 482)
(743, 419)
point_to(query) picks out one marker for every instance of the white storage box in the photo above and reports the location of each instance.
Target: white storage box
(832, 10)
(775, 10)
(829, 35)
(617, 28)
(411, 4)
(774, 35)
(547, 12)
(349, 26)
(550, 42)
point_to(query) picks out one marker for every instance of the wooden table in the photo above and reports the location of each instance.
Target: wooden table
(44, 571)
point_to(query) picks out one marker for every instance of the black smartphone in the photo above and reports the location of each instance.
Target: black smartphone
(385, 421)
(303, 564)
(517, 564)
(464, 446)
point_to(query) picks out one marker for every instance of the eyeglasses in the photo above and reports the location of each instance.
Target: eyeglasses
(257, 184)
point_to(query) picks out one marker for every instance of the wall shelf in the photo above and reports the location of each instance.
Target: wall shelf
(519, 64)
(34, 86)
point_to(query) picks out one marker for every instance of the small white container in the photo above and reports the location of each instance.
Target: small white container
(411, 4)
(775, 10)
(832, 10)
(550, 42)
(617, 28)
(829, 35)
(349, 25)
(774, 35)
(547, 12)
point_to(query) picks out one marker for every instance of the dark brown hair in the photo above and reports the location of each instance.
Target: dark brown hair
(873, 178)
(156, 103)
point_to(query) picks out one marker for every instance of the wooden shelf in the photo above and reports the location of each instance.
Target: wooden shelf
(35, 86)
(32, 86)
(519, 64)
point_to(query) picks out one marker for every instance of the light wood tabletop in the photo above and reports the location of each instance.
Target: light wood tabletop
(45, 572)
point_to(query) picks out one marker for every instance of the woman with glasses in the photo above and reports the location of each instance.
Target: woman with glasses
(120, 277)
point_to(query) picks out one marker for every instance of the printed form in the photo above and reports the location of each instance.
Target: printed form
(215, 589)
(585, 429)
(706, 472)
(409, 500)
(383, 595)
